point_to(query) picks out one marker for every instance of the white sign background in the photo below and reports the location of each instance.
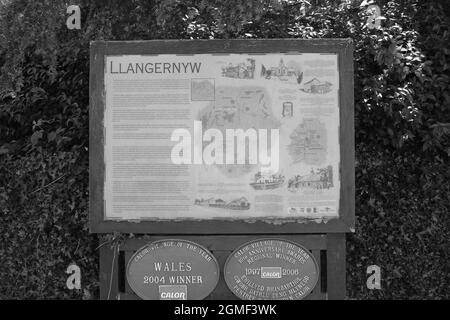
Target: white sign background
(148, 97)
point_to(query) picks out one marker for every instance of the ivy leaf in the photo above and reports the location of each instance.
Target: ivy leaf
(3, 150)
(37, 135)
(366, 3)
(51, 136)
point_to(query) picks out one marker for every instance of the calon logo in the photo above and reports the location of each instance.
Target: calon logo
(173, 292)
(270, 272)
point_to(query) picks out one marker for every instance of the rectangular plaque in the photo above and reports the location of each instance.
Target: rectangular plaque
(230, 133)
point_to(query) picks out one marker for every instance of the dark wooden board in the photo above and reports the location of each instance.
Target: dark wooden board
(109, 273)
(332, 269)
(231, 242)
(336, 275)
(100, 49)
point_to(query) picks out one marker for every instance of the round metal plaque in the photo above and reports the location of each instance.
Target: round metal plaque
(173, 269)
(272, 269)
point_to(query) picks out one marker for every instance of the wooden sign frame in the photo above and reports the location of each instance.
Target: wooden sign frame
(98, 52)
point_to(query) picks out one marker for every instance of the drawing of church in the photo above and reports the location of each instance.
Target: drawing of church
(282, 71)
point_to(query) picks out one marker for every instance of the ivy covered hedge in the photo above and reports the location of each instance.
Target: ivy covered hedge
(402, 103)
(402, 224)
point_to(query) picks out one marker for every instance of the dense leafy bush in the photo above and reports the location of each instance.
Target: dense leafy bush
(402, 224)
(44, 227)
(402, 100)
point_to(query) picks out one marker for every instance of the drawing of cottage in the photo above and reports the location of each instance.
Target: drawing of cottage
(243, 70)
(218, 203)
(237, 204)
(316, 86)
(322, 178)
(311, 180)
(204, 202)
(267, 181)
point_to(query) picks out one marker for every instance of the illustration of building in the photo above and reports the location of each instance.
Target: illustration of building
(204, 202)
(238, 204)
(311, 180)
(264, 182)
(243, 70)
(281, 71)
(322, 178)
(316, 86)
(218, 203)
(288, 109)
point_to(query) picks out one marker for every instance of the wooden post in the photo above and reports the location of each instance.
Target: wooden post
(109, 266)
(336, 266)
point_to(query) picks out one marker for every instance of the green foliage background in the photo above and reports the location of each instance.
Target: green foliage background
(402, 103)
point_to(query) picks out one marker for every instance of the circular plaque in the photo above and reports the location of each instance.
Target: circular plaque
(173, 269)
(271, 269)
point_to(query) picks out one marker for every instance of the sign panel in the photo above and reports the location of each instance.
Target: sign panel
(271, 269)
(231, 131)
(232, 136)
(173, 270)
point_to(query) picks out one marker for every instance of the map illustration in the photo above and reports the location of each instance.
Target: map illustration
(308, 142)
(239, 108)
(202, 89)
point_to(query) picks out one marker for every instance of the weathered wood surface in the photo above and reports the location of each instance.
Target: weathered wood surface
(336, 273)
(109, 276)
(332, 268)
(100, 49)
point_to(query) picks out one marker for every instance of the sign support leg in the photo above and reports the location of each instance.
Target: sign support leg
(109, 265)
(336, 266)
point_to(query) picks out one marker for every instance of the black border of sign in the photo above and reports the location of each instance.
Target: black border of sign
(100, 49)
